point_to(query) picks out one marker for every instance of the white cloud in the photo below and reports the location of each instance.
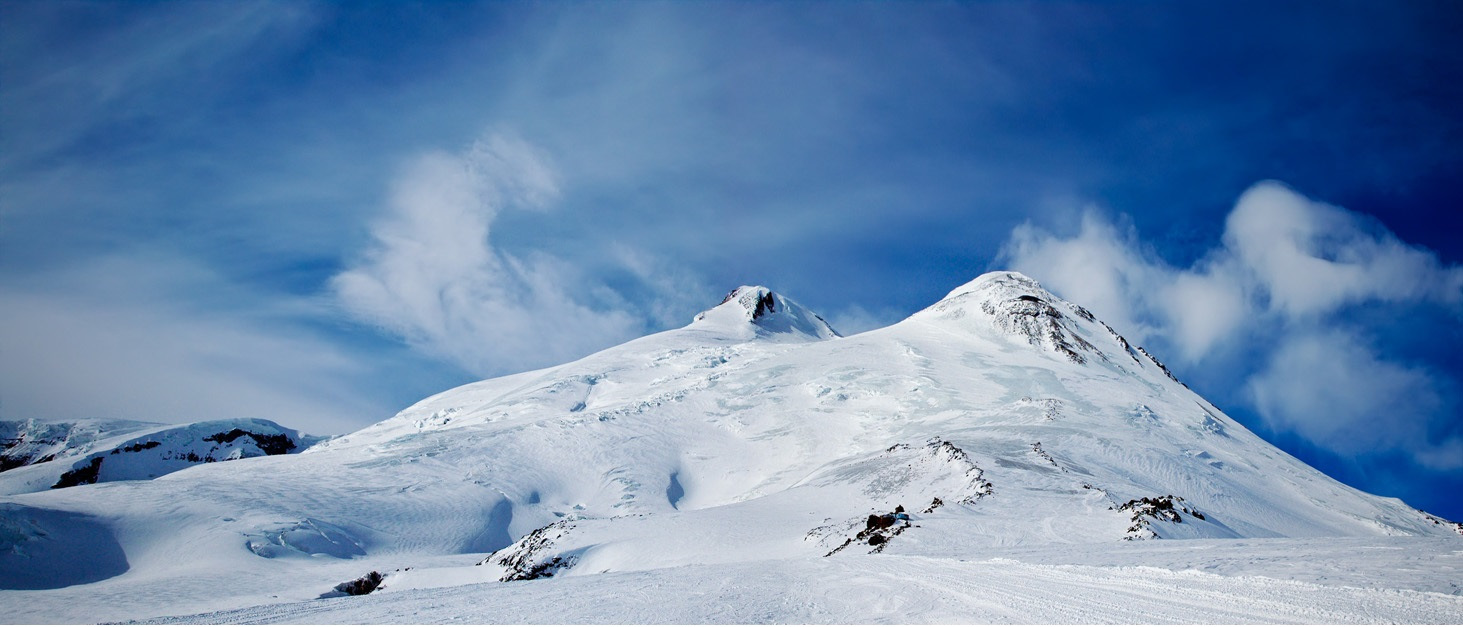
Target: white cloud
(1312, 258)
(1284, 259)
(435, 278)
(1101, 267)
(1332, 390)
(1288, 267)
(1202, 308)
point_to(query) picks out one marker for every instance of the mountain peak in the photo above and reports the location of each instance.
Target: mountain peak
(765, 312)
(1001, 283)
(1017, 306)
(758, 301)
(992, 290)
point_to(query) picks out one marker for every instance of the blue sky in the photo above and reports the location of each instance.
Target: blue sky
(319, 213)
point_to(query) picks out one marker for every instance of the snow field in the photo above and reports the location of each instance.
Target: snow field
(875, 589)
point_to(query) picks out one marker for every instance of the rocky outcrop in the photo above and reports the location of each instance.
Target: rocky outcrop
(270, 443)
(1458, 527)
(366, 584)
(530, 557)
(1146, 510)
(82, 474)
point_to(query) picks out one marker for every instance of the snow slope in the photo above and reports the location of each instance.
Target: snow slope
(1002, 419)
(910, 589)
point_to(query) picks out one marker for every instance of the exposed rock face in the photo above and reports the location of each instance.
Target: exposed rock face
(531, 557)
(1122, 341)
(37, 455)
(1455, 526)
(978, 486)
(82, 474)
(364, 585)
(1146, 510)
(1160, 365)
(270, 443)
(727, 441)
(758, 301)
(1022, 309)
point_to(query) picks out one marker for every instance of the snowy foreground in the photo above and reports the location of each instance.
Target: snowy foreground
(1396, 580)
(1001, 456)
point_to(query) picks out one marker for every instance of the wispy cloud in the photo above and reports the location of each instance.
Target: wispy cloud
(1334, 390)
(434, 277)
(1311, 258)
(1287, 271)
(1102, 266)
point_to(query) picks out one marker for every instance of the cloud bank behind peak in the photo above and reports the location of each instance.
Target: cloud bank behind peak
(1280, 298)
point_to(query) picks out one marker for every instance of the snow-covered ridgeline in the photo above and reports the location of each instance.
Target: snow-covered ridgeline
(40, 455)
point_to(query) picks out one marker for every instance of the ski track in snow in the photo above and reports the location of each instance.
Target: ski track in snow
(869, 589)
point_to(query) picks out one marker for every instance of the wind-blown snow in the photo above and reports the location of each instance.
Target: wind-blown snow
(754, 445)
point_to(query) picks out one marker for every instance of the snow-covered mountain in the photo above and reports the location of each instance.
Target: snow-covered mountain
(27, 442)
(1001, 418)
(37, 455)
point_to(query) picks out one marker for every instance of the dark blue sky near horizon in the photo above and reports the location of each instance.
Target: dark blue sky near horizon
(320, 213)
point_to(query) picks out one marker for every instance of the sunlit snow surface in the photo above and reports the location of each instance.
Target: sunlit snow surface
(1187, 582)
(723, 472)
